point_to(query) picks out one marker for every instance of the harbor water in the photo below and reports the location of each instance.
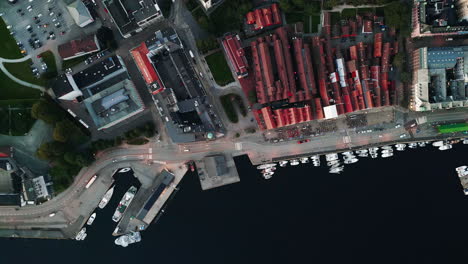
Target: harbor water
(409, 208)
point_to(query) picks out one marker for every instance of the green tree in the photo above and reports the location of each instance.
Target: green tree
(405, 77)
(300, 4)
(46, 111)
(64, 130)
(329, 4)
(51, 150)
(286, 6)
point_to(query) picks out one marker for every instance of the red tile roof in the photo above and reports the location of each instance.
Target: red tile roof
(235, 52)
(264, 17)
(144, 65)
(78, 47)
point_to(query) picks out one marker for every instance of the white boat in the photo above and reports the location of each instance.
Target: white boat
(363, 155)
(125, 240)
(445, 147)
(106, 198)
(422, 144)
(315, 157)
(438, 144)
(123, 170)
(387, 151)
(283, 163)
(413, 145)
(267, 175)
(361, 151)
(332, 156)
(333, 162)
(336, 170)
(374, 155)
(465, 141)
(264, 166)
(386, 155)
(294, 162)
(348, 153)
(400, 145)
(461, 168)
(81, 235)
(387, 147)
(269, 170)
(350, 161)
(91, 219)
(304, 160)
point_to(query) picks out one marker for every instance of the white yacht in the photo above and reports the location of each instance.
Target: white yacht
(333, 162)
(422, 144)
(347, 153)
(264, 166)
(363, 155)
(445, 147)
(461, 168)
(81, 235)
(386, 155)
(336, 170)
(125, 240)
(438, 144)
(465, 141)
(91, 219)
(387, 147)
(283, 163)
(331, 156)
(413, 145)
(267, 175)
(294, 162)
(350, 161)
(305, 160)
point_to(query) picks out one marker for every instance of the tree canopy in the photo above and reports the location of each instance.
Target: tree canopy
(46, 111)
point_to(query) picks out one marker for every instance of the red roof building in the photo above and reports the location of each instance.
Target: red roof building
(264, 17)
(235, 52)
(378, 45)
(367, 27)
(78, 47)
(147, 70)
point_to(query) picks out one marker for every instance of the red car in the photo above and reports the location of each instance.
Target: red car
(303, 141)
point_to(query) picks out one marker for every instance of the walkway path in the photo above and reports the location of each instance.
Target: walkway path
(341, 7)
(12, 77)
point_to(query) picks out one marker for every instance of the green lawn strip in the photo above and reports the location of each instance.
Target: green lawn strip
(315, 23)
(70, 63)
(219, 67)
(294, 17)
(16, 116)
(8, 47)
(10, 90)
(22, 71)
(49, 59)
(348, 13)
(364, 11)
(228, 106)
(334, 17)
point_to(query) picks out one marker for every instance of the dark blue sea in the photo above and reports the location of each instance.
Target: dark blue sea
(406, 209)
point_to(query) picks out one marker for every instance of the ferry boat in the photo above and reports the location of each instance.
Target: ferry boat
(294, 162)
(124, 203)
(91, 219)
(350, 161)
(125, 240)
(445, 147)
(283, 163)
(81, 235)
(106, 198)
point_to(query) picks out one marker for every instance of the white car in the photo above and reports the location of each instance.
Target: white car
(402, 135)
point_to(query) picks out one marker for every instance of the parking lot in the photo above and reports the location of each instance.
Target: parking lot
(40, 25)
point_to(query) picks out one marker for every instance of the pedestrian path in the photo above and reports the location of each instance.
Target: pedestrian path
(12, 77)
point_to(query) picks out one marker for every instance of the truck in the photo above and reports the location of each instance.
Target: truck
(91, 181)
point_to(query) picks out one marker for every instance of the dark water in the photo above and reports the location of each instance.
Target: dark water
(406, 209)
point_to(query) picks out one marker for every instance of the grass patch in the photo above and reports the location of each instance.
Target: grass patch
(22, 71)
(335, 17)
(294, 17)
(137, 141)
(219, 68)
(315, 23)
(11, 90)
(364, 11)
(228, 106)
(8, 47)
(348, 13)
(70, 63)
(49, 59)
(16, 119)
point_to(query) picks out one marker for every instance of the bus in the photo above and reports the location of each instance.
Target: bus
(91, 181)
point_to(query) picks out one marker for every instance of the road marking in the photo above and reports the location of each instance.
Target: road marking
(238, 146)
